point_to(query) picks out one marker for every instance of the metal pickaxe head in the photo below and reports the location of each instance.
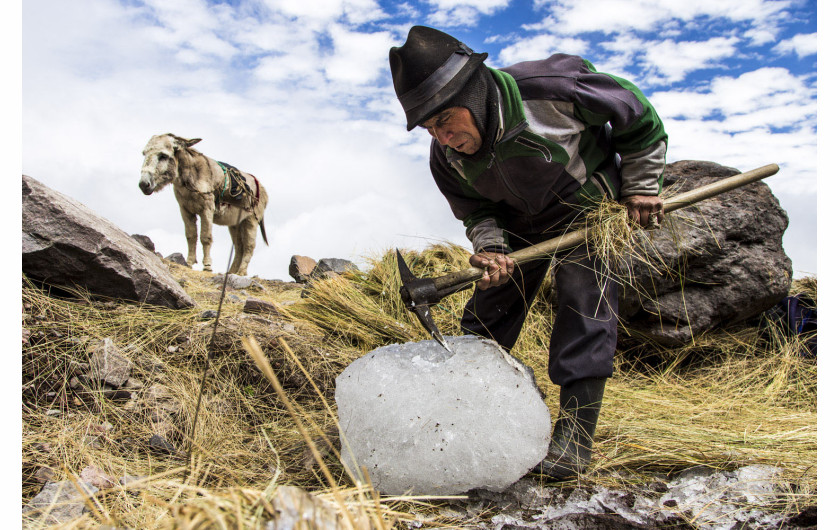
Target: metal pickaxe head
(418, 294)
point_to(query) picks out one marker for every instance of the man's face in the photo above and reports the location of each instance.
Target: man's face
(455, 127)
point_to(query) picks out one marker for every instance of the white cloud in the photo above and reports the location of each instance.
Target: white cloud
(324, 12)
(570, 17)
(802, 45)
(670, 61)
(760, 36)
(453, 13)
(742, 121)
(357, 57)
(540, 47)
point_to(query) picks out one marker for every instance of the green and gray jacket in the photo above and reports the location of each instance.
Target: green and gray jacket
(568, 135)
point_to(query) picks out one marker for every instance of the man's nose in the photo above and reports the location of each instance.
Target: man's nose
(443, 135)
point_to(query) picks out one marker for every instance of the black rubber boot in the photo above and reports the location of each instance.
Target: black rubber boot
(570, 449)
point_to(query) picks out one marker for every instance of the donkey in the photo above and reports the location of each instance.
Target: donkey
(213, 191)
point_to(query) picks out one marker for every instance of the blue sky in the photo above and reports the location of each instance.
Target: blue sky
(299, 94)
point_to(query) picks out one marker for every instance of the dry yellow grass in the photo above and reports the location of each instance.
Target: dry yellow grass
(732, 398)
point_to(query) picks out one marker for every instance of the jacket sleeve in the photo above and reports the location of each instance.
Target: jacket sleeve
(637, 130)
(480, 216)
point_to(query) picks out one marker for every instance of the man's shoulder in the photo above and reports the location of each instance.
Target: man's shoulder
(559, 64)
(554, 77)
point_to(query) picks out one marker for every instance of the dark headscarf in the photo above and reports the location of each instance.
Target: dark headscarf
(479, 95)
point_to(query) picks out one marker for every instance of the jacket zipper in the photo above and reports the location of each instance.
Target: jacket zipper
(503, 177)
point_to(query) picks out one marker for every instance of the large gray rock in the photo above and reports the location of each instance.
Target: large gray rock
(67, 244)
(424, 421)
(728, 254)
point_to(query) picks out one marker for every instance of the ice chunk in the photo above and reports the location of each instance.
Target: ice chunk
(428, 422)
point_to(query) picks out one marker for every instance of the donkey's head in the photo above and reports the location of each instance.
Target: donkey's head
(160, 166)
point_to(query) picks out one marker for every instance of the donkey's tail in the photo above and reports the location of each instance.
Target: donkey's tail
(262, 230)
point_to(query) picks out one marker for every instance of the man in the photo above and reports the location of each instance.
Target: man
(519, 152)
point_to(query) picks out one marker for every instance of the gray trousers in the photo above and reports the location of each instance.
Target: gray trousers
(583, 337)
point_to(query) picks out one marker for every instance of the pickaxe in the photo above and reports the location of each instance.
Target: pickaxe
(419, 294)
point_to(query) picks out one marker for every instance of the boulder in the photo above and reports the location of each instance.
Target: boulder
(67, 245)
(301, 267)
(727, 261)
(425, 421)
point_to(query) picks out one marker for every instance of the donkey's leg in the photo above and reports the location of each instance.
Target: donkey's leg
(192, 235)
(207, 237)
(236, 239)
(248, 237)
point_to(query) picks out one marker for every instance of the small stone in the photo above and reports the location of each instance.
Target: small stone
(301, 267)
(54, 413)
(58, 502)
(108, 364)
(658, 487)
(80, 368)
(234, 281)
(92, 441)
(336, 265)
(296, 508)
(44, 475)
(130, 479)
(134, 384)
(172, 349)
(161, 445)
(104, 427)
(118, 394)
(255, 305)
(163, 428)
(96, 476)
(177, 258)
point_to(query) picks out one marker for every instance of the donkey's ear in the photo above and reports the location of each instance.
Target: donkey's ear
(190, 143)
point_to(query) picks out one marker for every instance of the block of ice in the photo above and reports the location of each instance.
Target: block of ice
(425, 421)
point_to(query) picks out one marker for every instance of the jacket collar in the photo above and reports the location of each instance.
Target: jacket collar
(512, 111)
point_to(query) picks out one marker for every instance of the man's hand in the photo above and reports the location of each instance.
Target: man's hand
(644, 209)
(497, 268)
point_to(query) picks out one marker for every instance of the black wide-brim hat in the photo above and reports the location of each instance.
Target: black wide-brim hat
(428, 70)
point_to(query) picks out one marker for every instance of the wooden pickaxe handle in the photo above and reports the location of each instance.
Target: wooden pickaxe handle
(549, 247)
